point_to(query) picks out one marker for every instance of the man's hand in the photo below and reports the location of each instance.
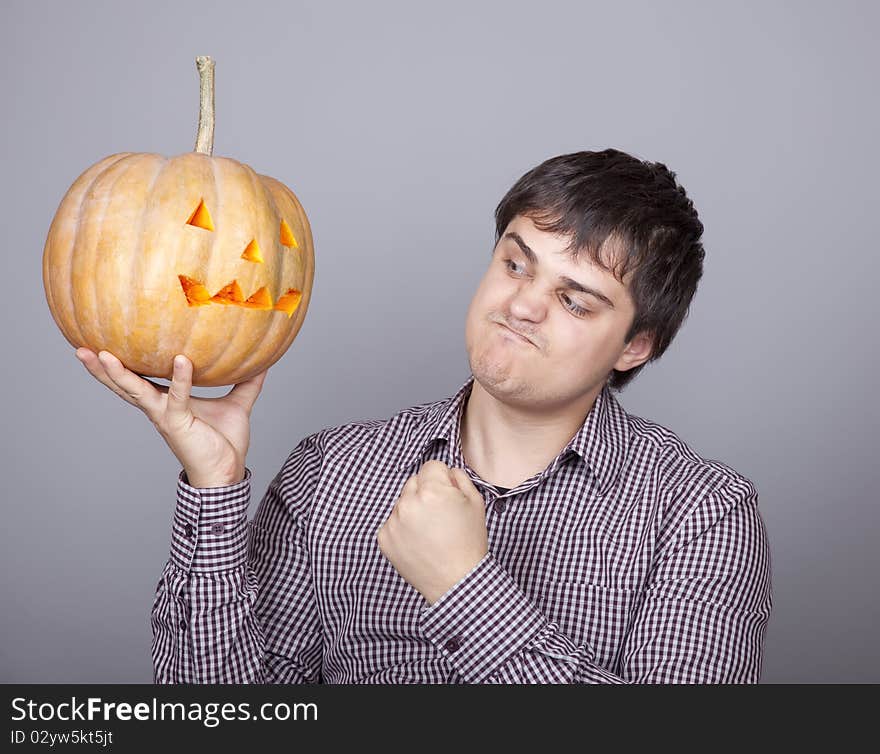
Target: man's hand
(209, 436)
(437, 530)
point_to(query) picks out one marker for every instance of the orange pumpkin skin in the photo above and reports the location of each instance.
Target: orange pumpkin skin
(120, 245)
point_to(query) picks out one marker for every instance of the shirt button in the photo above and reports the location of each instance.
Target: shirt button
(500, 505)
(453, 644)
(217, 528)
(182, 623)
(188, 530)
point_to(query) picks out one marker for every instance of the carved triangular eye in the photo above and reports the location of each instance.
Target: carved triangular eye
(200, 217)
(252, 253)
(287, 238)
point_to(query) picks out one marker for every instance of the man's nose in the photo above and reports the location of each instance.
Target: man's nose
(527, 303)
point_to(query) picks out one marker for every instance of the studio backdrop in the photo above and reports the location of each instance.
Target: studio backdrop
(400, 126)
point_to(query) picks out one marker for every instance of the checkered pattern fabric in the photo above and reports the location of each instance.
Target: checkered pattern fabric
(628, 559)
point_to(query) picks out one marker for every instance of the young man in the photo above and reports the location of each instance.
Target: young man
(527, 529)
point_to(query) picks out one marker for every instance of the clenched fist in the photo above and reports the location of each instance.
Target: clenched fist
(437, 530)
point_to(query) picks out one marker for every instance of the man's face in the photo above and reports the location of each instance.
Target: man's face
(574, 338)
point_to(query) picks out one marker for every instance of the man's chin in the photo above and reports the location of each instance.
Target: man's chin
(500, 382)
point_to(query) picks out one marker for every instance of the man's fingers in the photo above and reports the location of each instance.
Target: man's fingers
(142, 393)
(246, 393)
(411, 486)
(455, 475)
(109, 371)
(434, 470)
(94, 367)
(463, 482)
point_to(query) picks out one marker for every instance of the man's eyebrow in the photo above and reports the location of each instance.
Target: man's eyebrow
(565, 280)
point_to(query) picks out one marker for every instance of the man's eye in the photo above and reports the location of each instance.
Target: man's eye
(511, 265)
(573, 307)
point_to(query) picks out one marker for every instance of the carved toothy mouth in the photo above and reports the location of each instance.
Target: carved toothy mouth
(231, 294)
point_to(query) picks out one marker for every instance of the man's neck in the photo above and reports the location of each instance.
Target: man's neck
(506, 445)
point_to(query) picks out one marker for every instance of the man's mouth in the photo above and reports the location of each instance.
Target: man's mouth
(518, 335)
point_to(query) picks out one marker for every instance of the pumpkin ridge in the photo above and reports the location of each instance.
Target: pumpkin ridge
(52, 250)
(68, 283)
(136, 271)
(286, 205)
(88, 255)
(119, 327)
(100, 259)
(308, 260)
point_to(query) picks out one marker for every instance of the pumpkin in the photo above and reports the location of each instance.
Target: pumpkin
(150, 256)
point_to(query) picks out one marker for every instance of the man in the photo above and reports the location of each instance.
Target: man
(526, 530)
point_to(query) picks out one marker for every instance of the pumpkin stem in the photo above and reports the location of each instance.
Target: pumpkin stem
(205, 137)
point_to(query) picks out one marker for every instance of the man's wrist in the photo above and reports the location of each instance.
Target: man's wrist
(483, 621)
(208, 482)
(209, 531)
(433, 593)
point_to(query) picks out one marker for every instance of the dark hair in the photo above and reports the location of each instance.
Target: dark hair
(650, 225)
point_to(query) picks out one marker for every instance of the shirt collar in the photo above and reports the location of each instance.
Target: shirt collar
(601, 442)
(440, 422)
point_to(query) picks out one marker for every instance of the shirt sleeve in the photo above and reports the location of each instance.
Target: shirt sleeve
(234, 603)
(701, 617)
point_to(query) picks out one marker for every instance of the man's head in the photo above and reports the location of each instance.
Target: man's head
(596, 260)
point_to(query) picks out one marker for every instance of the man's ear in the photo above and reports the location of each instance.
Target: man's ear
(636, 352)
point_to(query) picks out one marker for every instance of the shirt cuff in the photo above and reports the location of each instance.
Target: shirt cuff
(483, 621)
(209, 532)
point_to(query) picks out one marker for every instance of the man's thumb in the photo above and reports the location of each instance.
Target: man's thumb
(461, 480)
(180, 388)
(245, 393)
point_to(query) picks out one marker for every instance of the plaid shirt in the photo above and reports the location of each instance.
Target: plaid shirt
(628, 559)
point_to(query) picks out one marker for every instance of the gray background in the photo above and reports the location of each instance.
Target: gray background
(400, 126)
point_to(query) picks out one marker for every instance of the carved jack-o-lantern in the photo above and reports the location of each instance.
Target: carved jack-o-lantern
(149, 256)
